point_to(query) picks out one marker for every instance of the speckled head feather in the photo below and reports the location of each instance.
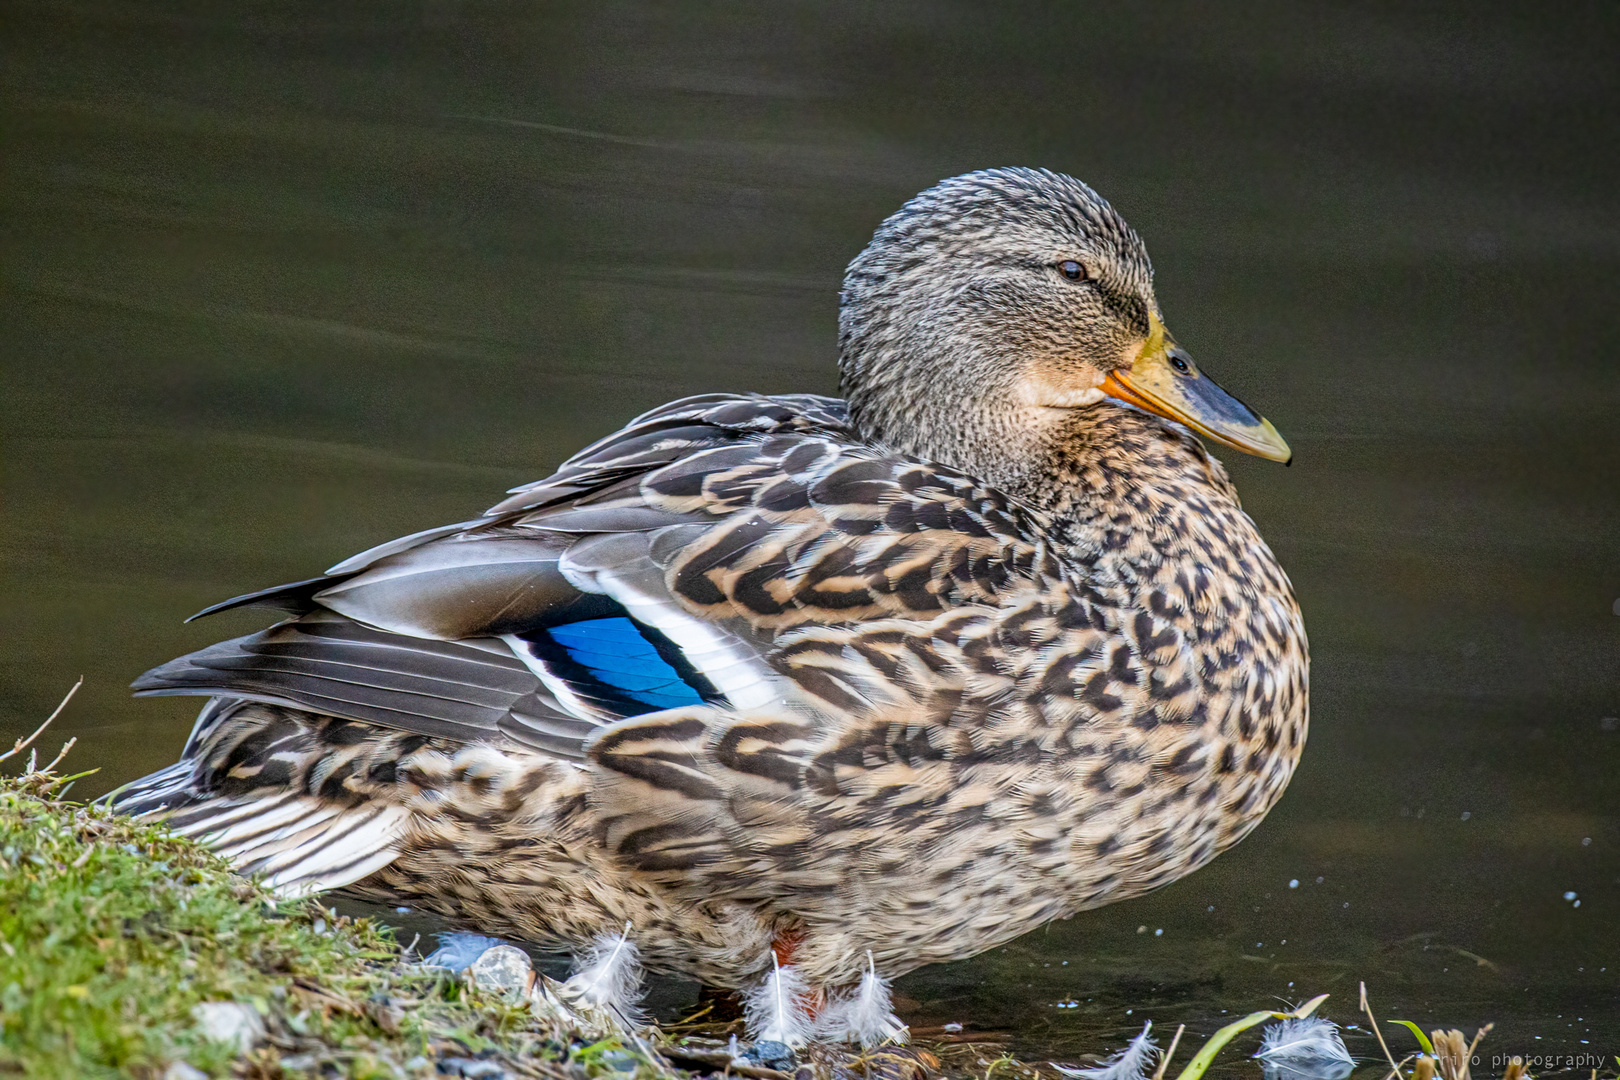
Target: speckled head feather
(963, 340)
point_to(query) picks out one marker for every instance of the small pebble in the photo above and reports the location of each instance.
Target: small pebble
(505, 968)
(230, 1022)
(773, 1055)
(471, 1069)
(619, 1061)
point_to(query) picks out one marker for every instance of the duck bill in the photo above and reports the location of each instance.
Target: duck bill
(1190, 397)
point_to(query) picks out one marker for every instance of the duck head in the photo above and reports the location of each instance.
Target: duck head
(994, 311)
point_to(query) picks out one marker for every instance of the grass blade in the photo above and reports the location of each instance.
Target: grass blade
(1201, 1061)
(1423, 1040)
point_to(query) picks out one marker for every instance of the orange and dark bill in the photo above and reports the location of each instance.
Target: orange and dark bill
(1165, 381)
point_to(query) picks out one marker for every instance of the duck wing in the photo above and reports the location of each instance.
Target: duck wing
(687, 560)
(730, 612)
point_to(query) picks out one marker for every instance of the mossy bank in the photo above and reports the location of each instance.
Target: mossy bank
(126, 951)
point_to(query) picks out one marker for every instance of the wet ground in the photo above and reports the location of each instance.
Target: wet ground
(283, 283)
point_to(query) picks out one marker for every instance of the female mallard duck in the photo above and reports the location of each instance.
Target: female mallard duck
(800, 681)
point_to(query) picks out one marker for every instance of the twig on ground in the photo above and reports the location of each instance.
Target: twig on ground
(22, 744)
(1164, 1059)
(60, 754)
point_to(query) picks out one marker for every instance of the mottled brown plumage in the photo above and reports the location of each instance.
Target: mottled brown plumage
(980, 649)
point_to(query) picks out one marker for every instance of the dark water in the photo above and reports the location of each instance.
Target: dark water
(286, 282)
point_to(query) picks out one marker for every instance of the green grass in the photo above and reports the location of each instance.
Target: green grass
(111, 932)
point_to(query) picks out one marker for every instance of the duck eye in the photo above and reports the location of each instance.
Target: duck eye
(1179, 364)
(1072, 270)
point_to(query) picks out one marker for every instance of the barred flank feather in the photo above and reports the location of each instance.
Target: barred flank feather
(866, 1016)
(608, 978)
(778, 1009)
(1130, 1063)
(1306, 1044)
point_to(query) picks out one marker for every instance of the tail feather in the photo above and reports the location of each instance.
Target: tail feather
(299, 843)
(237, 827)
(327, 861)
(166, 790)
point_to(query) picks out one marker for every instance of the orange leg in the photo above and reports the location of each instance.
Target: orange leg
(786, 945)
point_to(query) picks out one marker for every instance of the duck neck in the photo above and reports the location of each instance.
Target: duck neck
(1129, 493)
(970, 418)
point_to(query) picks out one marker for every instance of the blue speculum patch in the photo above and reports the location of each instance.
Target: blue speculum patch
(620, 666)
